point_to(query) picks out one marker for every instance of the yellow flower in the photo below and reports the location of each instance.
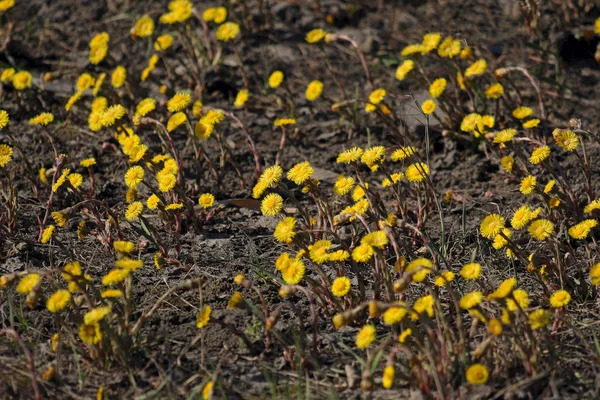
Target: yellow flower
(541, 229)
(436, 89)
(449, 48)
(275, 79)
(444, 278)
(424, 305)
(404, 335)
(207, 391)
(521, 217)
(123, 246)
(75, 180)
(47, 234)
(528, 184)
(471, 271)
(477, 374)
(539, 154)
(343, 185)
(88, 162)
(340, 286)
(314, 90)
(494, 91)
(430, 42)
(318, 251)
(404, 68)
(566, 139)
(21, 80)
(166, 182)
(520, 300)
(316, 35)
(216, 14)
(505, 135)
(388, 376)
(42, 119)
(417, 172)
(241, 98)
(111, 293)
(532, 123)
(112, 114)
(227, 31)
(115, 276)
(469, 122)
(300, 172)
(175, 121)
(59, 218)
(294, 272)
(95, 315)
(471, 300)
(373, 155)
(396, 177)
(144, 27)
(594, 205)
(507, 163)
(338, 255)
(522, 112)
(98, 84)
(90, 334)
(206, 200)
(362, 253)
(6, 157)
(595, 274)
(134, 210)
(180, 11)
(395, 314)
(179, 102)
(349, 156)
(28, 283)
(174, 206)
(582, 229)
(539, 319)
(284, 122)
(419, 268)
(98, 53)
(403, 153)
(7, 75)
(163, 42)
(118, 76)
(284, 232)
(365, 336)
(411, 49)
(377, 96)
(428, 107)
(597, 26)
(461, 81)
(477, 68)
(4, 119)
(134, 176)
(271, 205)
(376, 239)
(203, 317)
(560, 298)
(503, 290)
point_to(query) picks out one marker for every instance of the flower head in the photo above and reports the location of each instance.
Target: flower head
(340, 286)
(294, 272)
(271, 205)
(28, 283)
(362, 253)
(275, 79)
(203, 317)
(316, 35)
(566, 139)
(175, 121)
(471, 300)
(477, 68)
(539, 154)
(560, 298)
(134, 176)
(227, 31)
(417, 172)
(541, 229)
(284, 232)
(471, 271)
(494, 91)
(522, 112)
(134, 210)
(206, 200)
(365, 336)
(428, 107)
(21, 80)
(437, 87)
(477, 374)
(505, 135)
(144, 27)
(300, 172)
(314, 90)
(419, 268)
(582, 229)
(349, 156)
(163, 42)
(539, 319)
(528, 184)
(404, 68)
(90, 333)
(179, 101)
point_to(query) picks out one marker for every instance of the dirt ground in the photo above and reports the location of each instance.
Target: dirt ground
(51, 36)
